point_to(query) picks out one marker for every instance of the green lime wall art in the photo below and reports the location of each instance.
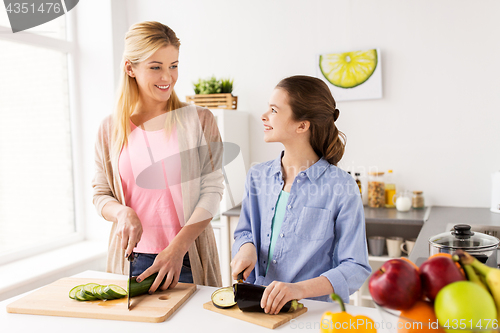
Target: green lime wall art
(353, 75)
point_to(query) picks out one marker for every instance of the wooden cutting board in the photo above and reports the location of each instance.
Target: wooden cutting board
(53, 300)
(262, 319)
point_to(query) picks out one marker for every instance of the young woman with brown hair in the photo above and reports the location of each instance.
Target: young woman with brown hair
(301, 230)
(158, 176)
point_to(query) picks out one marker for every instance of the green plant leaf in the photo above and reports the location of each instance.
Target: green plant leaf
(213, 86)
(226, 86)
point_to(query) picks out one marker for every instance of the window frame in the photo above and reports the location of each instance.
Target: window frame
(69, 47)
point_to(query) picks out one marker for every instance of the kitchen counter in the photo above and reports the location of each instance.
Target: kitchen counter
(190, 317)
(375, 215)
(393, 216)
(442, 216)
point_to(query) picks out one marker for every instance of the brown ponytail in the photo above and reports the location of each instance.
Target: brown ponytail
(310, 99)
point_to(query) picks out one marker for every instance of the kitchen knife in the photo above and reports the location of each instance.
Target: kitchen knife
(240, 277)
(131, 260)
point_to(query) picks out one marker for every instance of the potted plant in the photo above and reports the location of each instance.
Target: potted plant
(214, 94)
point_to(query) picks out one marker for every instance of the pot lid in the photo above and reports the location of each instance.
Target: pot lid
(462, 237)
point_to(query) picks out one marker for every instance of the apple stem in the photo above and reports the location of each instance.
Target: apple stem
(337, 298)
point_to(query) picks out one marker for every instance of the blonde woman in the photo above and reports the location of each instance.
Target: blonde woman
(158, 177)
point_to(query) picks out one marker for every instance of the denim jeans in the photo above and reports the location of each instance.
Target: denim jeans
(143, 261)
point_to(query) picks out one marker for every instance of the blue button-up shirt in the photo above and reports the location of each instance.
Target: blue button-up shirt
(323, 231)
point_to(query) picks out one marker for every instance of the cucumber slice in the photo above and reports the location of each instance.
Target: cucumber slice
(97, 291)
(82, 296)
(114, 291)
(88, 289)
(223, 298)
(73, 291)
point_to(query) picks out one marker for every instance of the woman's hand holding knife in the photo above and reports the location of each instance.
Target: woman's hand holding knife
(129, 229)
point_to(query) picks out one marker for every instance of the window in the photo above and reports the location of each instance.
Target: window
(37, 206)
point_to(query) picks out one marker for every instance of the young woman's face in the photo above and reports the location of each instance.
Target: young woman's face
(278, 123)
(157, 75)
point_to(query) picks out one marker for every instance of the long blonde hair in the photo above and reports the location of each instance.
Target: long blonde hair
(141, 41)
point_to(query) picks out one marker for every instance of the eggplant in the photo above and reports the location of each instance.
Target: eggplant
(248, 297)
(223, 298)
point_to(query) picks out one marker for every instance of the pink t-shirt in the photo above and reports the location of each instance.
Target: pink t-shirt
(157, 201)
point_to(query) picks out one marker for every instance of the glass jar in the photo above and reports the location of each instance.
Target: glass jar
(357, 174)
(417, 201)
(390, 190)
(376, 189)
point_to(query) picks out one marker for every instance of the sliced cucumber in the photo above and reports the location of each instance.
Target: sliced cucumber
(82, 296)
(88, 289)
(97, 291)
(223, 298)
(94, 291)
(114, 291)
(73, 291)
(78, 297)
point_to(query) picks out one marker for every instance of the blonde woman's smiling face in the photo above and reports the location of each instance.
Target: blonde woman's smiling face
(157, 75)
(277, 120)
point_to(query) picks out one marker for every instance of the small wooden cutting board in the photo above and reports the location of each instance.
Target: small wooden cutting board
(53, 300)
(259, 318)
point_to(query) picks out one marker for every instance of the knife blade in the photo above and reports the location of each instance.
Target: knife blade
(131, 260)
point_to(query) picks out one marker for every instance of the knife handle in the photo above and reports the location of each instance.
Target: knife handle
(240, 277)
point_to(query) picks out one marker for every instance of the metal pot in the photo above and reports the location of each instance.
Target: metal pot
(477, 244)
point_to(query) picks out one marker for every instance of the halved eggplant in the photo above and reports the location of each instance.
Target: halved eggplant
(248, 297)
(223, 298)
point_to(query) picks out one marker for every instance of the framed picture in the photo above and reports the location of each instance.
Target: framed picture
(354, 75)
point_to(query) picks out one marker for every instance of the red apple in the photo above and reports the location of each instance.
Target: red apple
(438, 272)
(396, 285)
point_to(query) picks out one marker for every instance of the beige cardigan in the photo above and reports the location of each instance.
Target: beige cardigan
(202, 186)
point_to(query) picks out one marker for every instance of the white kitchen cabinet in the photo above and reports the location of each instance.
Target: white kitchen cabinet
(233, 127)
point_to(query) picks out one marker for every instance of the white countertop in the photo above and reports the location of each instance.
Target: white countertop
(190, 317)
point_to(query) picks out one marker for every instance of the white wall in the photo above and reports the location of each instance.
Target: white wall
(437, 125)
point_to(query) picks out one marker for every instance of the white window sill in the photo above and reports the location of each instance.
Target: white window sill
(33, 272)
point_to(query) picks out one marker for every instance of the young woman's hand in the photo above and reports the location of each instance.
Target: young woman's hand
(129, 229)
(244, 261)
(167, 263)
(278, 294)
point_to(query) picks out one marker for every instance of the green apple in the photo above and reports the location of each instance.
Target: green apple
(465, 305)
